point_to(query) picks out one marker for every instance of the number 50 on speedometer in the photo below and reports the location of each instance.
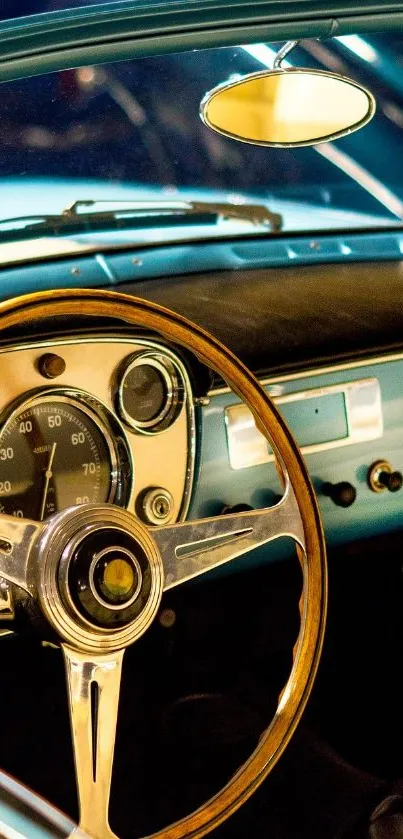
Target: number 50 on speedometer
(59, 450)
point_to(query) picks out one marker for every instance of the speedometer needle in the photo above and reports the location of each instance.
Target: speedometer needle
(48, 475)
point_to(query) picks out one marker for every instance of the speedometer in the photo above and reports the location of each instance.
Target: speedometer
(55, 452)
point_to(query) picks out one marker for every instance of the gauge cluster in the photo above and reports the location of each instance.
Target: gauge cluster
(95, 419)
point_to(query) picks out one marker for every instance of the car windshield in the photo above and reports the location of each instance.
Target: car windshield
(132, 130)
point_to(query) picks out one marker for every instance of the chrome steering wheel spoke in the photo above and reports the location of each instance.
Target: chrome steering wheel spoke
(93, 683)
(93, 662)
(192, 548)
(17, 537)
(96, 578)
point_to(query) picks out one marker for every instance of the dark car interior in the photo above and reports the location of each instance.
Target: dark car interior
(316, 315)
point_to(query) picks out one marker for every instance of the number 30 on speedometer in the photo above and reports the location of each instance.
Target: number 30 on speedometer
(55, 452)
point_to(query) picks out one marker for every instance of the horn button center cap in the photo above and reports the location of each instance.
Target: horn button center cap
(116, 577)
(108, 580)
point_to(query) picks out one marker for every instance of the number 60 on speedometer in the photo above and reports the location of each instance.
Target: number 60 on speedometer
(59, 450)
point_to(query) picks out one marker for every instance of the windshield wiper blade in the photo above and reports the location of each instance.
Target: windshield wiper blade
(128, 213)
(254, 213)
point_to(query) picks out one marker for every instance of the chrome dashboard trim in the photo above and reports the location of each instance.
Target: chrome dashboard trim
(266, 381)
(364, 421)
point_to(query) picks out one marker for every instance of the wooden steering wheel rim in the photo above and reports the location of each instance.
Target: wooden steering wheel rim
(140, 313)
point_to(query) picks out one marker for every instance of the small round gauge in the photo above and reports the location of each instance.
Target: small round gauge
(144, 393)
(149, 393)
(54, 453)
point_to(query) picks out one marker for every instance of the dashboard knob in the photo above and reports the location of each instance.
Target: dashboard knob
(391, 480)
(381, 476)
(343, 494)
(51, 366)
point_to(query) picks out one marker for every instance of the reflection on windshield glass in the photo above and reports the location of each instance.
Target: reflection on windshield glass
(134, 128)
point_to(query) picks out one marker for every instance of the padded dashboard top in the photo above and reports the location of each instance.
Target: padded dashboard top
(279, 319)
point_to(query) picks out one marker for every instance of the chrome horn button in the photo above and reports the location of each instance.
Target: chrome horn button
(104, 577)
(99, 577)
(115, 577)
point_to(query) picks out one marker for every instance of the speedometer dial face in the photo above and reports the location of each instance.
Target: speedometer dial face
(53, 454)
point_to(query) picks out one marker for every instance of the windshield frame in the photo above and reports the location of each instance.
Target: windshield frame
(60, 40)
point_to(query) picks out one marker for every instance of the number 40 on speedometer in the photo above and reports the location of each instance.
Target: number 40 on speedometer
(55, 452)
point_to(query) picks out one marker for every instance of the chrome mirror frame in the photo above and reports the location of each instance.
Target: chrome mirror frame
(276, 71)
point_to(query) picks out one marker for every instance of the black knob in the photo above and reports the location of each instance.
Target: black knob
(393, 481)
(342, 494)
(381, 476)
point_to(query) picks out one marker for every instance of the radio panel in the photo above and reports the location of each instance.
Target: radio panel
(320, 419)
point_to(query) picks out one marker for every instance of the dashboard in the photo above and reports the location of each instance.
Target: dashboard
(105, 416)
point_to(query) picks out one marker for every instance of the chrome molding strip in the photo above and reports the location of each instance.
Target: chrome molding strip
(363, 413)
(315, 371)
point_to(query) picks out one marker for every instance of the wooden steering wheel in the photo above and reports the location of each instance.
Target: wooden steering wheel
(42, 559)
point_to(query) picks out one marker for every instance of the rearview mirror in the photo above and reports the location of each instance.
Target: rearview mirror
(293, 107)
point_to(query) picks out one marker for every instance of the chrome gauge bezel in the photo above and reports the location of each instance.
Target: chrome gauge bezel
(175, 391)
(121, 476)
